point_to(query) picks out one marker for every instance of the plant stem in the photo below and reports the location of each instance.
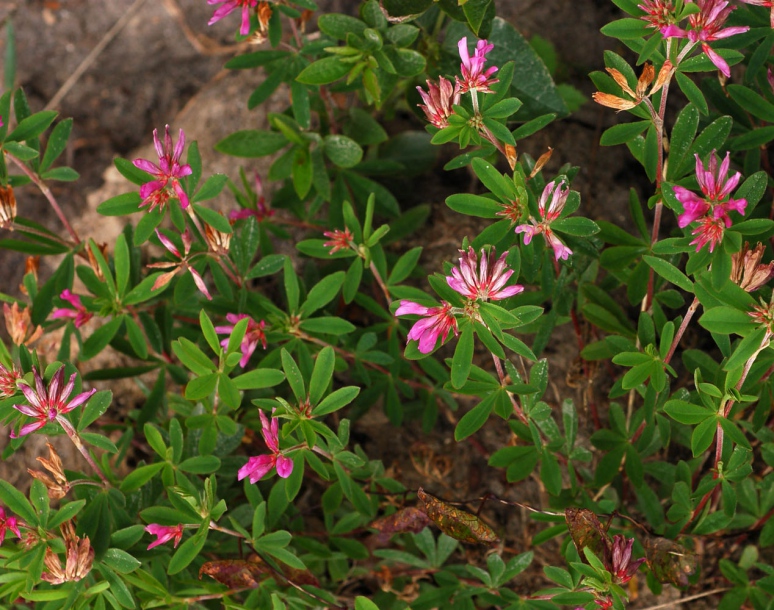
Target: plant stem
(68, 428)
(516, 406)
(381, 283)
(218, 528)
(47, 193)
(680, 331)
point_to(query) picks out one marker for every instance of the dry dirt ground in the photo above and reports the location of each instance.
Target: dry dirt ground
(124, 67)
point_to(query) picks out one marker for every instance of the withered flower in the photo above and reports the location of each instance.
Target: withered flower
(542, 160)
(746, 268)
(79, 557)
(103, 248)
(31, 265)
(641, 90)
(217, 241)
(18, 323)
(7, 207)
(58, 486)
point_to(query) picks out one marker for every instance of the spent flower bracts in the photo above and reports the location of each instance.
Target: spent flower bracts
(167, 173)
(49, 404)
(258, 466)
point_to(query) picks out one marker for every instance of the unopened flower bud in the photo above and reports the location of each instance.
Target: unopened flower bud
(7, 207)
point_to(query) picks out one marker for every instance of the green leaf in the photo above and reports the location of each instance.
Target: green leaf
(339, 26)
(463, 357)
(703, 435)
(622, 133)
(140, 476)
(327, 325)
(669, 272)
(752, 102)
(532, 82)
(686, 412)
(343, 151)
(324, 71)
(474, 205)
(252, 143)
(57, 142)
(293, 375)
(626, 29)
(32, 126)
(120, 561)
(258, 379)
(192, 357)
(187, 552)
(336, 400)
(201, 464)
(472, 421)
(753, 139)
(121, 263)
(268, 265)
(17, 503)
(100, 338)
(692, 92)
(321, 374)
(727, 320)
(322, 293)
(94, 408)
(212, 218)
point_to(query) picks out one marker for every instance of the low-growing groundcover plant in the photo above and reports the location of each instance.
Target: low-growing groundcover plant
(238, 481)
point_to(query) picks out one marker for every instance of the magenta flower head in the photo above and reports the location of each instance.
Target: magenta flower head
(49, 404)
(228, 7)
(253, 335)
(707, 26)
(167, 173)
(623, 567)
(8, 379)
(261, 210)
(339, 240)
(712, 210)
(482, 280)
(439, 101)
(164, 533)
(474, 77)
(8, 523)
(550, 206)
(258, 466)
(79, 314)
(436, 322)
(658, 13)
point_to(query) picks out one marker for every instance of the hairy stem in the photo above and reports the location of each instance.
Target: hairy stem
(47, 193)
